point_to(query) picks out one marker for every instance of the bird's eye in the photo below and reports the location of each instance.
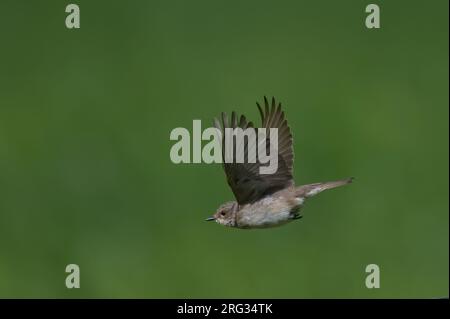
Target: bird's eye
(222, 213)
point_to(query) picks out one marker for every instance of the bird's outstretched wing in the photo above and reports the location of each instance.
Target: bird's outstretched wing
(245, 179)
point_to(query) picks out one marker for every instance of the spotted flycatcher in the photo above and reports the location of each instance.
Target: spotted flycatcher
(264, 200)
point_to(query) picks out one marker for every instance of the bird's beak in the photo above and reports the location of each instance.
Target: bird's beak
(210, 218)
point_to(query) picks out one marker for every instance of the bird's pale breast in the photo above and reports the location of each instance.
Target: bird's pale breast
(270, 211)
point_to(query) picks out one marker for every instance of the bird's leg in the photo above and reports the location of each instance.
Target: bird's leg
(297, 216)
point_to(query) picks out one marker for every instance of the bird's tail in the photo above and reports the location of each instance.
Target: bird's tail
(311, 190)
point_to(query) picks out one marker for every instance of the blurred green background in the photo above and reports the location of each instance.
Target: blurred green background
(85, 173)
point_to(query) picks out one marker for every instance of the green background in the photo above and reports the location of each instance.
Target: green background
(85, 173)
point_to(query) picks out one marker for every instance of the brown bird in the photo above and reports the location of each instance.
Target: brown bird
(264, 200)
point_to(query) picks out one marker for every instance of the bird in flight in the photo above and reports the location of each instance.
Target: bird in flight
(264, 200)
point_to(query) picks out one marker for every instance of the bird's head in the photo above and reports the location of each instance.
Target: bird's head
(225, 214)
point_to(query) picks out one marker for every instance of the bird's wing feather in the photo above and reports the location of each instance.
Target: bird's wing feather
(245, 180)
